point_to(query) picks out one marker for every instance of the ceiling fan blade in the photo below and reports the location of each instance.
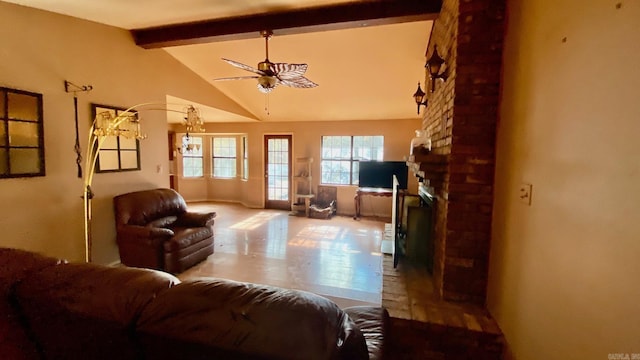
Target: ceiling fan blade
(243, 66)
(236, 78)
(286, 71)
(299, 82)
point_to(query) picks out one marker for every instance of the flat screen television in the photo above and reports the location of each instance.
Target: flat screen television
(379, 174)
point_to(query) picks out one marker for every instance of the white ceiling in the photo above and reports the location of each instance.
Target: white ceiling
(363, 73)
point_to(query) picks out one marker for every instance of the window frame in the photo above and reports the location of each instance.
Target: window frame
(5, 144)
(190, 155)
(352, 160)
(234, 157)
(245, 157)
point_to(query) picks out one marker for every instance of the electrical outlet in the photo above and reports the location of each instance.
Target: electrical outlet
(524, 193)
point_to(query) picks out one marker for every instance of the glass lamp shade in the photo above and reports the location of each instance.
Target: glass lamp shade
(103, 123)
(434, 64)
(268, 82)
(264, 90)
(128, 126)
(188, 146)
(419, 95)
(433, 70)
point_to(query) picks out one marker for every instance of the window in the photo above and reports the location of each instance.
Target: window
(224, 157)
(21, 134)
(117, 153)
(245, 159)
(341, 154)
(192, 164)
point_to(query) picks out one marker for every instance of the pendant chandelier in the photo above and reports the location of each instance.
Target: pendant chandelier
(193, 123)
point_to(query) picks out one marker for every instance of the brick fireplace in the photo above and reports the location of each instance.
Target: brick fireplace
(461, 117)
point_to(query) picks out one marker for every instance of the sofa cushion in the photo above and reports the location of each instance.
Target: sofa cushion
(373, 322)
(163, 222)
(16, 266)
(185, 237)
(84, 311)
(228, 319)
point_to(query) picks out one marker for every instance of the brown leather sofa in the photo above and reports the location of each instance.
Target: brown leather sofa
(155, 230)
(50, 309)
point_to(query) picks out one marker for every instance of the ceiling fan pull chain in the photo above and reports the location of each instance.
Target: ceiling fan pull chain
(266, 103)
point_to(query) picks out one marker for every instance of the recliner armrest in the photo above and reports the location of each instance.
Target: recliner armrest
(143, 234)
(193, 219)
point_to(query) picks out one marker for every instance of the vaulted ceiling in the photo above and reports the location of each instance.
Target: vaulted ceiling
(366, 56)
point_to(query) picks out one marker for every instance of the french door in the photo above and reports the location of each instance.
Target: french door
(277, 164)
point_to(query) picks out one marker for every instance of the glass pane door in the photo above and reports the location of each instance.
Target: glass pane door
(278, 171)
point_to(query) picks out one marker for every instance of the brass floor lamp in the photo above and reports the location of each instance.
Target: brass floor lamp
(127, 125)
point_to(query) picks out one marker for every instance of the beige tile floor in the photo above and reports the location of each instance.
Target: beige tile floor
(338, 258)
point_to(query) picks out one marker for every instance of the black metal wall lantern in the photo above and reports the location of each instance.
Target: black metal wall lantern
(433, 66)
(419, 97)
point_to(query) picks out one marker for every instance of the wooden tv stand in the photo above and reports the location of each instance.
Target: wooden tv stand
(362, 191)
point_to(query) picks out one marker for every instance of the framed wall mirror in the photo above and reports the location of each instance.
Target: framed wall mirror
(21, 134)
(117, 152)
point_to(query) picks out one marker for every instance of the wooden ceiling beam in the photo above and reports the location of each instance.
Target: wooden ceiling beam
(334, 17)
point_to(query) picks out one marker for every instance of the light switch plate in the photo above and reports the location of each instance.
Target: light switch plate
(524, 193)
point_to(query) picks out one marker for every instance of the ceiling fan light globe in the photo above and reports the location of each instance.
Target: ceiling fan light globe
(264, 90)
(267, 81)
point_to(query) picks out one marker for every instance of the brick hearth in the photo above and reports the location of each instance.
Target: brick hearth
(425, 327)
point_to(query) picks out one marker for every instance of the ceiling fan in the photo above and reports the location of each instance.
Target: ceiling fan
(270, 74)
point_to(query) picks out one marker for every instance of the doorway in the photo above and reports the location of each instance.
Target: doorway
(277, 164)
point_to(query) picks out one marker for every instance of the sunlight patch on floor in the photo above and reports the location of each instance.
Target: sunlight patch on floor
(254, 221)
(323, 237)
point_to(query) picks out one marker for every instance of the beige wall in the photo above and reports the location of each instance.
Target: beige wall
(564, 271)
(306, 143)
(39, 51)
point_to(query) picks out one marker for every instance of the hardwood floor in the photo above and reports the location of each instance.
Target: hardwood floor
(338, 258)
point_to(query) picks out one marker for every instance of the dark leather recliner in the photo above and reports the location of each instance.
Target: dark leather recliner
(155, 230)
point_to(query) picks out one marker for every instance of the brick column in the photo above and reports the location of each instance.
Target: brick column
(461, 118)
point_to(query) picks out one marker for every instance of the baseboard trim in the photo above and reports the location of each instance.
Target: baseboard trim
(250, 206)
